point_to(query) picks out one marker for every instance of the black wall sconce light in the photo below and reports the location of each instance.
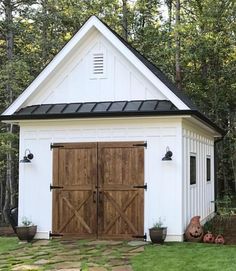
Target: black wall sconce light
(28, 157)
(168, 155)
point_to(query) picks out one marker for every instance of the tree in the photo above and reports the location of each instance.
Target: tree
(178, 79)
(10, 69)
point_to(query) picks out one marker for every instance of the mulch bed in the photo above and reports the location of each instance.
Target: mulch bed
(7, 231)
(230, 232)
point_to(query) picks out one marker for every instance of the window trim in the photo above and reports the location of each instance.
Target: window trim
(208, 176)
(193, 155)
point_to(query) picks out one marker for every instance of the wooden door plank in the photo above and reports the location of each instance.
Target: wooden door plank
(55, 200)
(68, 221)
(75, 168)
(120, 167)
(118, 215)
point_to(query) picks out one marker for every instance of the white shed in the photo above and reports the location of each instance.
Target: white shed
(99, 119)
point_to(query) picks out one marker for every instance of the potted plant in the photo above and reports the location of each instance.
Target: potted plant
(26, 231)
(158, 232)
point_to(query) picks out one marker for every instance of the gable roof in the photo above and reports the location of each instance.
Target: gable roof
(153, 74)
(179, 103)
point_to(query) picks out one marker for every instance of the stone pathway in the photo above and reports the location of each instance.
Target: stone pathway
(72, 255)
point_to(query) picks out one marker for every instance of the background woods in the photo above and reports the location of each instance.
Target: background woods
(193, 42)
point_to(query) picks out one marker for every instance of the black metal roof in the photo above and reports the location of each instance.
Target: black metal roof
(104, 110)
(96, 107)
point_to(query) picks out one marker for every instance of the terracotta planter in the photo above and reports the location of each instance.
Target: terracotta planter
(158, 235)
(208, 238)
(26, 233)
(220, 239)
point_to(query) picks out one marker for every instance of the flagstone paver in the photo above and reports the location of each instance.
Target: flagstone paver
(41, 243)
(138, 243)
(72, 255)
(122, 268)
(137, 250)
(42, 262)
(67, 265)
(23, 267)
(97, 269)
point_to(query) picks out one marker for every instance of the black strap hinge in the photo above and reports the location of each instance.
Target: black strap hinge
(141, 186)
(141, 236)
(55, 234)
(141, 145)
(55, 187)
(52, 146)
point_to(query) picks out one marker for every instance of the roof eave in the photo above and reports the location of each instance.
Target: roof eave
(194, 113)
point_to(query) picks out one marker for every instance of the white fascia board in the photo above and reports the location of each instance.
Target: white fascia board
(199, 124)
(37, 122)
(188, 120)
(94, 22)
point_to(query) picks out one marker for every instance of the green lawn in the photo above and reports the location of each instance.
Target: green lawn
(57, 254)
(186, 257)
(7, 244)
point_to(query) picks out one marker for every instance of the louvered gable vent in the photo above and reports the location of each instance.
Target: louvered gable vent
(98, 64)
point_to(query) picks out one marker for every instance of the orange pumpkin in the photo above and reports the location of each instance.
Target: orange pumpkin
(208, 238)
(220, 239)
(194, 230)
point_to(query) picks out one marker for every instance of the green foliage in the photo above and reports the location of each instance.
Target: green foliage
(26, 222)
(158, 224)
(218, 224)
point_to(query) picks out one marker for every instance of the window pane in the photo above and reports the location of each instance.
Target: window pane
(192, 170)
(208, 169)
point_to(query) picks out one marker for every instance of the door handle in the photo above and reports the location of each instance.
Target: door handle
(94, 196)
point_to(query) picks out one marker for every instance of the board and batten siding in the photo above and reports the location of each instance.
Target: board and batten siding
(197, 198)
(115, 79)
(163, 178)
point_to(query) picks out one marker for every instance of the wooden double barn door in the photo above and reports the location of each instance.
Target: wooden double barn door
(98, 190)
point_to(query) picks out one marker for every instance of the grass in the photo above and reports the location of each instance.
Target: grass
(186, 257)
(8, 243)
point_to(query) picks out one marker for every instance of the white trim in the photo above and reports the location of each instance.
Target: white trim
(209, 217)
(92, 23)
(42, 235)
(174, 238)
(38, 121)
(191, 121)
(170, 238)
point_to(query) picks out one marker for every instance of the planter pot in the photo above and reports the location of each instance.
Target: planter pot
(26, 233)
(158, 235)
